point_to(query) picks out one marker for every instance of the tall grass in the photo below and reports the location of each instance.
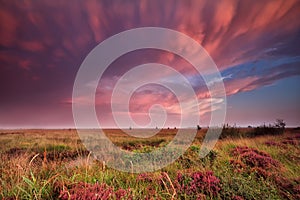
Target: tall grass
(29, 172)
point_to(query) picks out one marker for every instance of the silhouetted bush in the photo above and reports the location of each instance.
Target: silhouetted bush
(272, 129)
(230, 131)
(198, 127)
(265, 130)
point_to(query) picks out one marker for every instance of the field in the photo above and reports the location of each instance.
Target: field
(54, 164)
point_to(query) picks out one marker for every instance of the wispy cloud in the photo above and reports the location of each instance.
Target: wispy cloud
(43, 43)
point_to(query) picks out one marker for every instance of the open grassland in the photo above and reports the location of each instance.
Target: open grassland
(54, 164)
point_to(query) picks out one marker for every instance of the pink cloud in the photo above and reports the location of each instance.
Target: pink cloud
(35, 46)
(47, 41)
(8, 28)
(25, 64)
(240, 85)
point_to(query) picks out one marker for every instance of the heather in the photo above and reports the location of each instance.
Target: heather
(54, 164)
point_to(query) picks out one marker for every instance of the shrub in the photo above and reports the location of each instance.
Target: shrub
(238, 165)
(198, 183)
(293, 140)
(290, 142)
(280, 123)
(276, 129)
(95, 191)
(230, 131)
(145, 177)
(149, 177)
(254, 158)
(263, 165)
(198, 127)
(236, 197)
(288, 187)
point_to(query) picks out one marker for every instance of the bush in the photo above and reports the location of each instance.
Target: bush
(254, 158)
(198, 183)
(252, 161)
(276, 129)
(230, 131)
(265, 130)
(95, 191)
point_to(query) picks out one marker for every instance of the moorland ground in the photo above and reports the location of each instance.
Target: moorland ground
(54, 164)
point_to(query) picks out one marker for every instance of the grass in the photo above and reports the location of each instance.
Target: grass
(54, 164)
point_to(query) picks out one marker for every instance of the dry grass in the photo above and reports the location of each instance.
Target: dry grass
(39, 164)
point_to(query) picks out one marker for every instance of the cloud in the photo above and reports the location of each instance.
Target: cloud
(253, 75)
(253, 44)
(8, 28)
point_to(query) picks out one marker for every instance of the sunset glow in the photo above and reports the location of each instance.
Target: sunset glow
(255, 45)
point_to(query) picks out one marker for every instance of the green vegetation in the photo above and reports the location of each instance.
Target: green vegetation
(53, 164)
(234, 132)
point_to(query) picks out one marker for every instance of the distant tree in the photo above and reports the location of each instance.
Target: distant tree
(175, 127)
(198, 127)
(280, 123)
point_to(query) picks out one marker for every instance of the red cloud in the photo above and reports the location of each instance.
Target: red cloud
(8, 28)
(60, 35)
(35, 46)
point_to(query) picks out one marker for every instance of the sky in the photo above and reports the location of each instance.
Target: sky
(254, 44)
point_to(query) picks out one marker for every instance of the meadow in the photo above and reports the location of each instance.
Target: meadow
(54, 164)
